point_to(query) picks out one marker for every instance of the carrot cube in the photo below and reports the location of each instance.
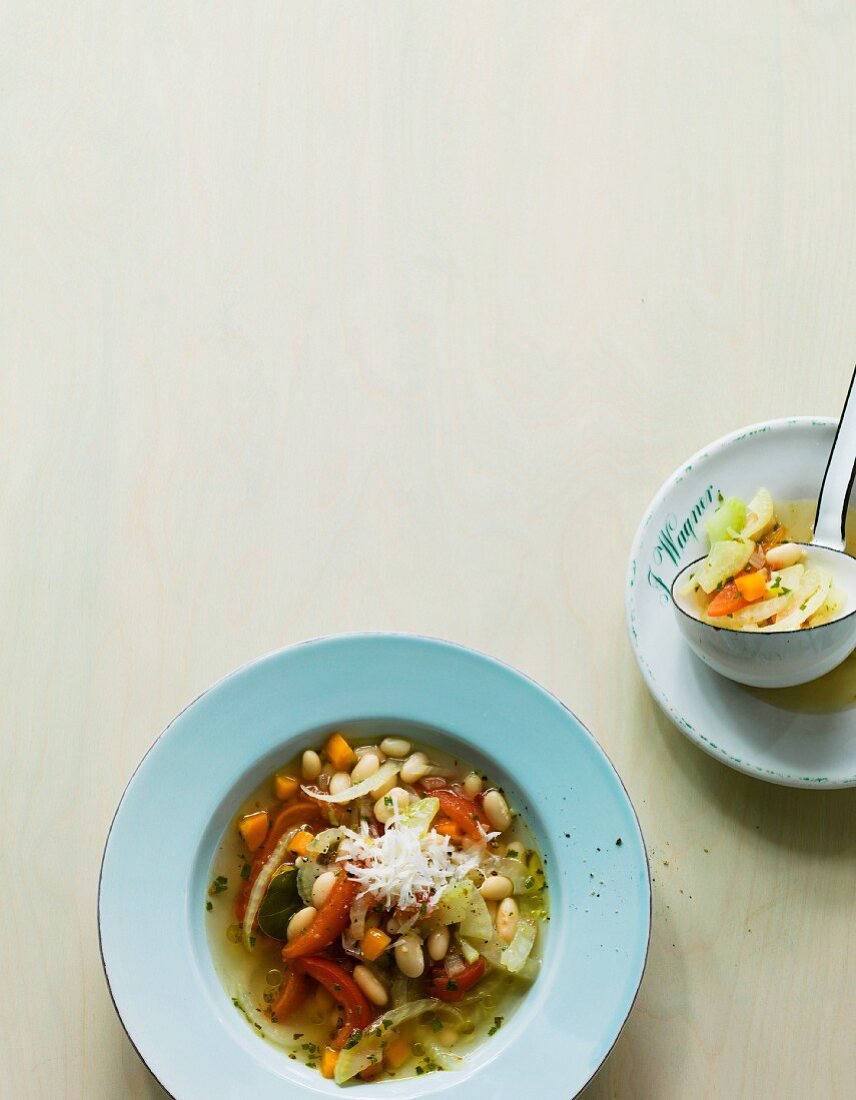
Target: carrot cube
(299, 843)
(328, 1061)
(254, 829)
(340, 753)
(374, 943)
(285, 786)
(752, 586)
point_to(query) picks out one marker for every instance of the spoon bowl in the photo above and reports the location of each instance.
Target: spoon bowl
(786, 658)
(776, 660)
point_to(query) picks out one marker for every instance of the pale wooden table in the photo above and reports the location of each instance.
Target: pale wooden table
(329, 317)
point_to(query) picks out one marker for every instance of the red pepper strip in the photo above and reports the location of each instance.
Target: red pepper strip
(332, 919)
(344, 991)
(292, 996)
(453, 989)
(464, 813)
(296, 813)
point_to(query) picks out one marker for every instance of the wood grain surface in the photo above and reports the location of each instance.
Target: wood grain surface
(395, 315)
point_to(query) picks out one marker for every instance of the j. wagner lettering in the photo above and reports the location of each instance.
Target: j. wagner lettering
(674, 536)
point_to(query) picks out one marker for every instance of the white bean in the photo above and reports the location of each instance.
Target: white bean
(473, 785)
(496, 810)
(370, 985)
(415, 767)
(788, 553)
(507, 916)
(310, 765)
(438, 943)
(408, 955)
(395, 746)
(322, 887)
(301, 921)
(367, 765)
(385, 807)
(495, 888)
(339, 782)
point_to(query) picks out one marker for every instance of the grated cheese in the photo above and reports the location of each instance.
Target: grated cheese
(401, 869)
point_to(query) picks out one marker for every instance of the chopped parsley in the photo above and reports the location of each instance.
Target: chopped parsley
(219, 884)
(245, 871)
(209, 905)
(497, 1024)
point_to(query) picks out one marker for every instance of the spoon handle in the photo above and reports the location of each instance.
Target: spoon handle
(838, 479)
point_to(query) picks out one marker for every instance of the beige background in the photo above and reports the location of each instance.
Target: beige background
(338, 316)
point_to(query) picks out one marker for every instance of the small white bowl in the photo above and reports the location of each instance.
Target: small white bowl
(778, 660)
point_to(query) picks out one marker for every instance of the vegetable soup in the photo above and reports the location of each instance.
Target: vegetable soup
(376, 908)
(755, 577)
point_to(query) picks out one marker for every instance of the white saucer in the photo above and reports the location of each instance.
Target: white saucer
(782, 736)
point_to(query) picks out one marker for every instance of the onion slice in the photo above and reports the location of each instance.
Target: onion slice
(385, 772)
(369, 1048)
(261, 884)
(279, 1034)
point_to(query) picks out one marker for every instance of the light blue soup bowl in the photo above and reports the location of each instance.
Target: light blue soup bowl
(152, 895)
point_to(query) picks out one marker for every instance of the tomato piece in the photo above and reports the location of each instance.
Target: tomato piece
(452, 989)
(344, 991)
(331, 920)
(463, 813)
(292, 996)
(726, 602)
